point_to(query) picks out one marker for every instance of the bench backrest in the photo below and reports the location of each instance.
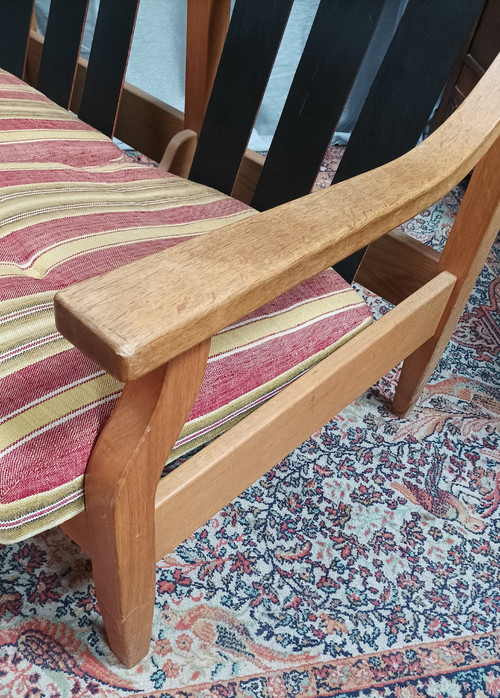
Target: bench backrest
(406, 88)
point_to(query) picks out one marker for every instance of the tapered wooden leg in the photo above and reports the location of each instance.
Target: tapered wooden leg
(120, 485)
(471, 238)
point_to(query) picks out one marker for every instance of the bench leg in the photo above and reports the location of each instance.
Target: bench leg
(120, 487)
(468, 245)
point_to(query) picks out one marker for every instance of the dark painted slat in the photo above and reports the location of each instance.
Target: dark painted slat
(316, 99)
(254, 32)
(61, 48)
(107, 63)
(15, 17)
(406, 88)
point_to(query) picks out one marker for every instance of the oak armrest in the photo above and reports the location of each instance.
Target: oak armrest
(135, 318)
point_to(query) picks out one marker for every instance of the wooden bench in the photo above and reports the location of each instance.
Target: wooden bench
(150, 322)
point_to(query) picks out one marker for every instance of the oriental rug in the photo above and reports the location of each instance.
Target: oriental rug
(367, 563)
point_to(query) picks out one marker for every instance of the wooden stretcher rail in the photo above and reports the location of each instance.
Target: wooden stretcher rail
(219, 472)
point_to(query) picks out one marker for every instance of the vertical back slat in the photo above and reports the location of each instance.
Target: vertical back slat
(15, 20)
(316, 99)
(406, 89)
(61, 49)
(107, 63)
(255, 30)
(207, 23)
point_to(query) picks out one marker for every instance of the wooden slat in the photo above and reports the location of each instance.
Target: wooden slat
(61, 48)
(15, 20)
(207, 23)
(320, 88)
(218, 278)
(254, 33)
(33, 25)
(191, 494)
(33, 58)
(406, 88)
(248, 176)
(107, 63)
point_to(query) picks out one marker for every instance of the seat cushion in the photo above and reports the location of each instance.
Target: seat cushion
(73, 206)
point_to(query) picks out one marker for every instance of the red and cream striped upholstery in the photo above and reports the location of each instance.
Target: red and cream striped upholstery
(72, 206)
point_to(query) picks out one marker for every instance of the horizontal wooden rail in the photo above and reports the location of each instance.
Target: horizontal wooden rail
(195, 491)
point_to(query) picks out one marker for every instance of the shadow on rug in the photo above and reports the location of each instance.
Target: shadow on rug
(367, 563)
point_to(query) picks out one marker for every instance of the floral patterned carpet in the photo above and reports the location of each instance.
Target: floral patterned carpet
(367, 563)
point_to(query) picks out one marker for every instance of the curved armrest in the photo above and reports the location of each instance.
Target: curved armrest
(135, 318)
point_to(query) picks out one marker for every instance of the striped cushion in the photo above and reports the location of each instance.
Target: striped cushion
(72, 206)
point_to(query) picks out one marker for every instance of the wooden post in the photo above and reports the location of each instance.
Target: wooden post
(33, 24)
(120, 487)
(470, 240)
(207, 23)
